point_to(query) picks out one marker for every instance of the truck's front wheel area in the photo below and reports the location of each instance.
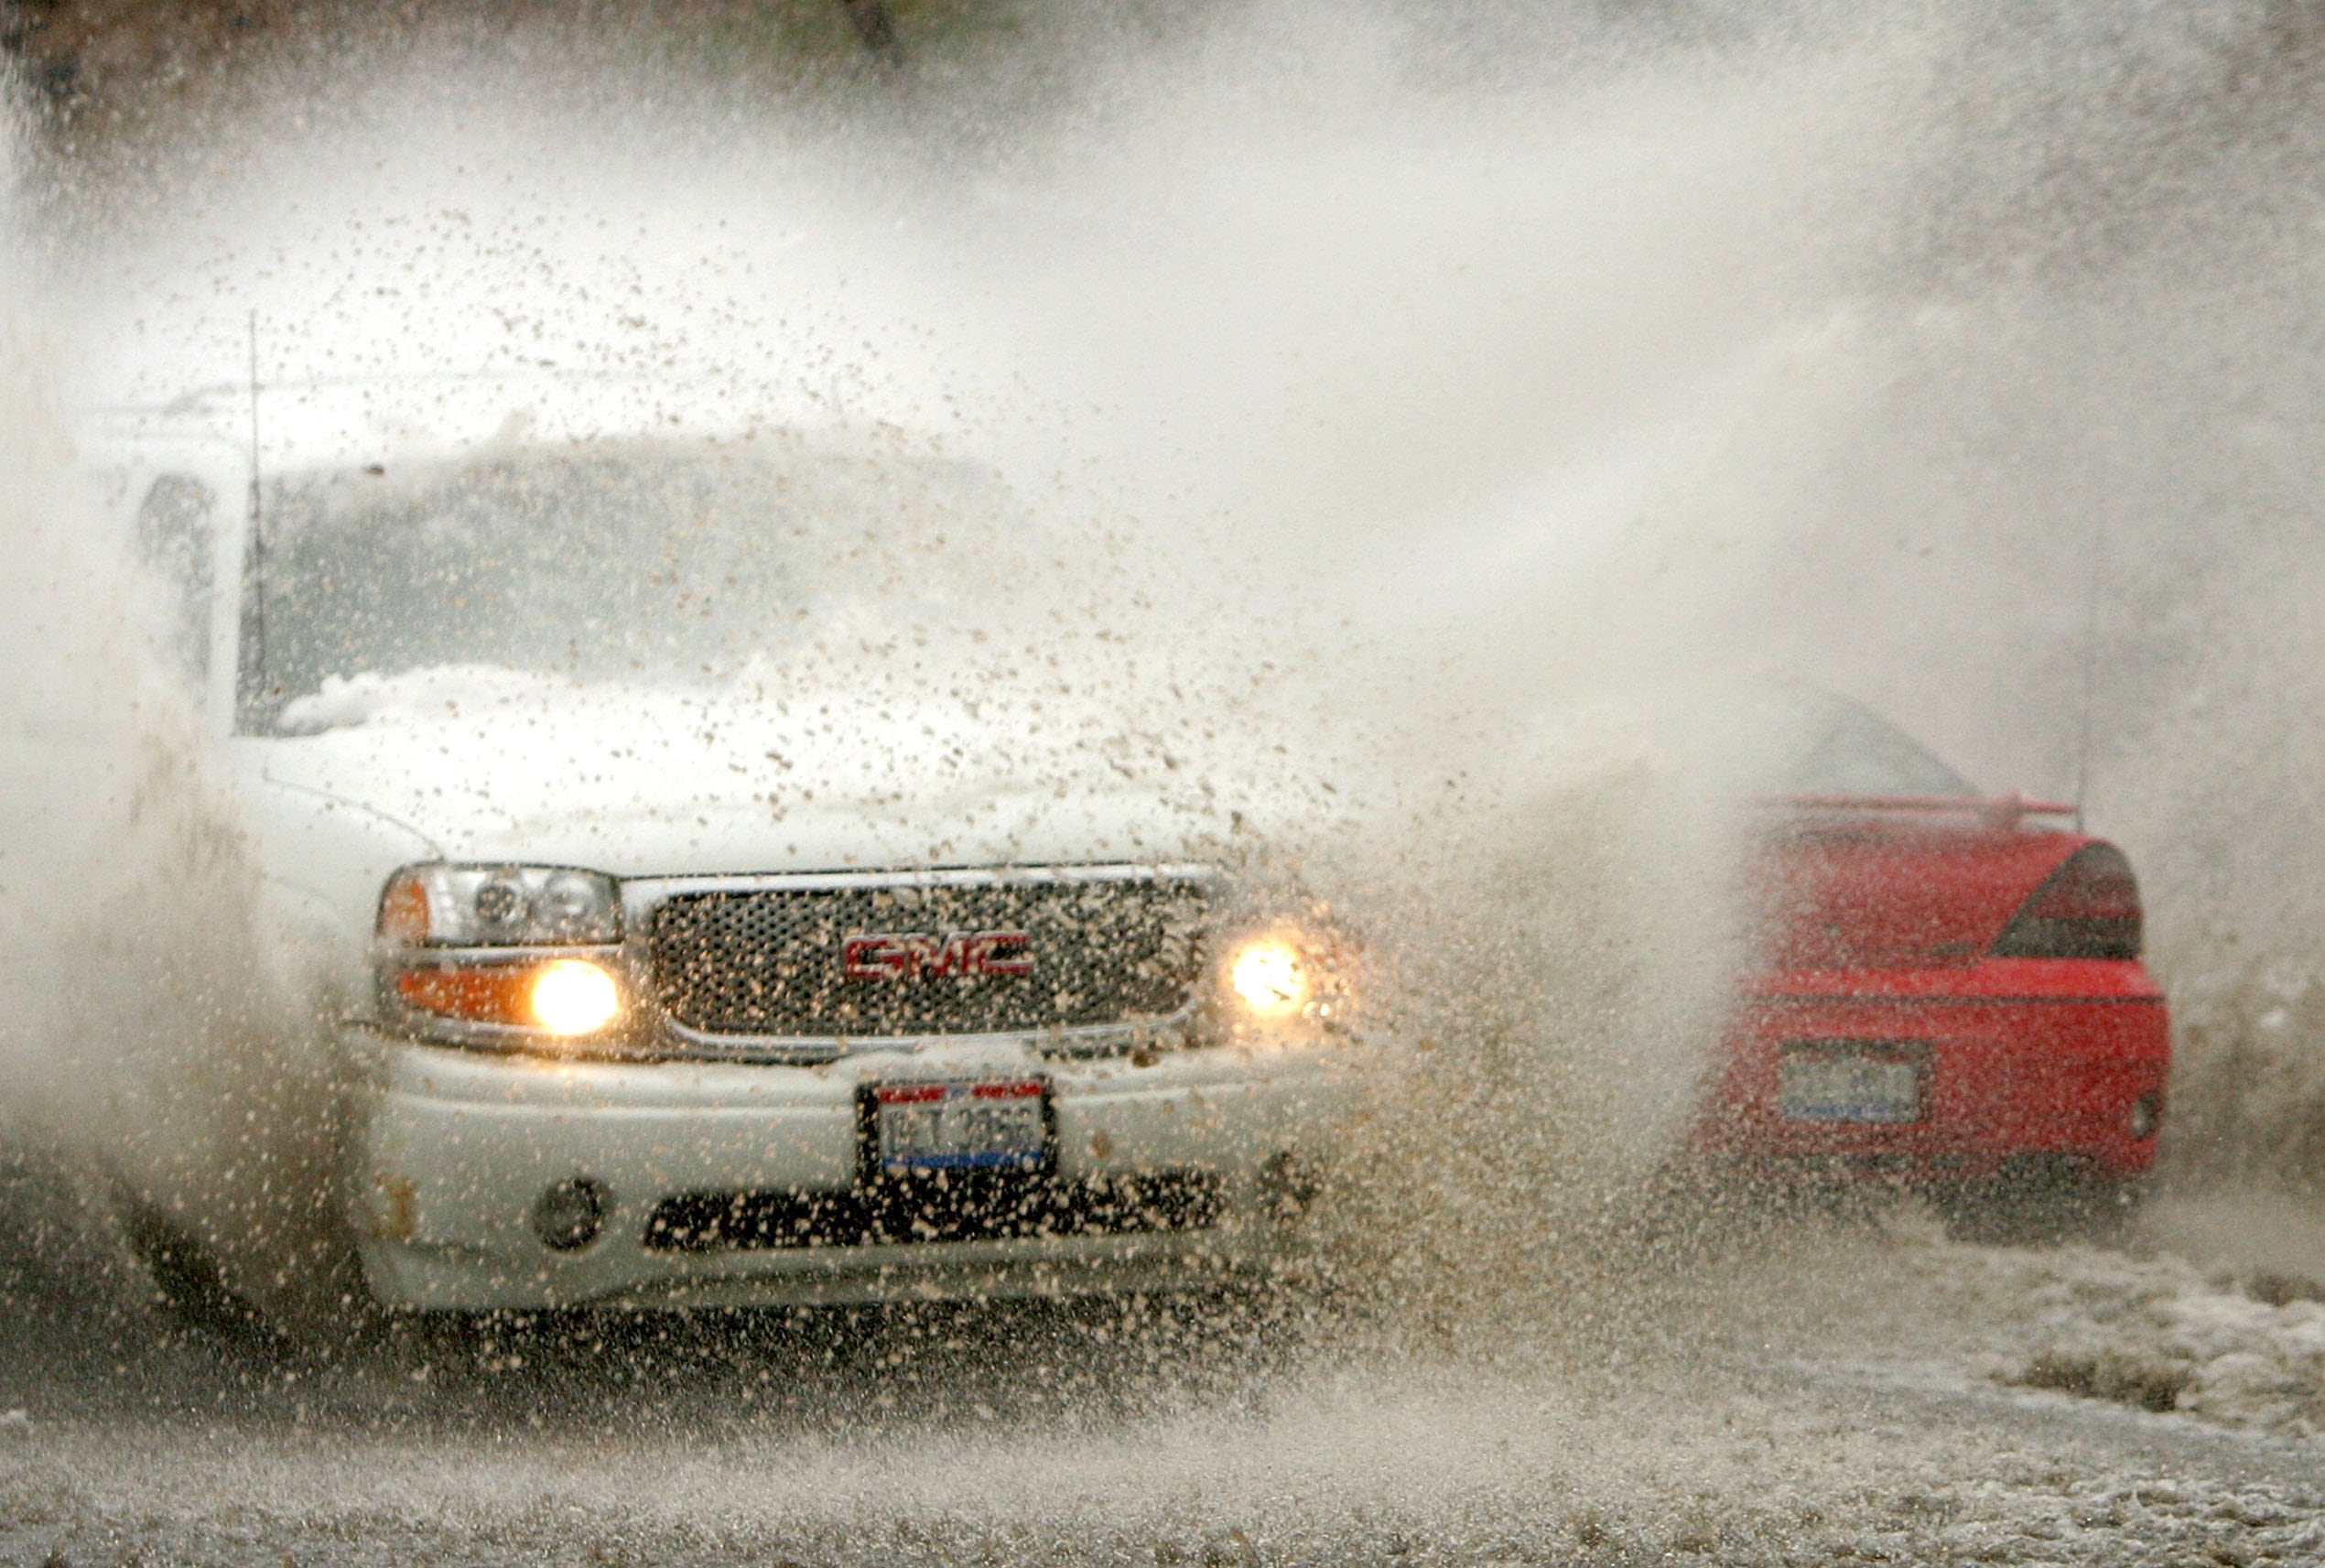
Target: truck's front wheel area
(329, 1311)
(188, 1282)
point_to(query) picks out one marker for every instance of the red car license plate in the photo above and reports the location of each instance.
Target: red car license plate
(1819, 1084)
(996, 1125)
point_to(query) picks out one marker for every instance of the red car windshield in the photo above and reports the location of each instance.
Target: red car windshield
(1828, 745)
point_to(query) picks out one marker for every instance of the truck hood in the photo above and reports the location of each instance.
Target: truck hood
(640, 780)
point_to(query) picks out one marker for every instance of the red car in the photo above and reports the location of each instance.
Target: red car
(1949, 994)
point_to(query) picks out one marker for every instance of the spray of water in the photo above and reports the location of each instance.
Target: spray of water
(151, 1043)
(1407, 451)
(1409, 411)
(1246, 397)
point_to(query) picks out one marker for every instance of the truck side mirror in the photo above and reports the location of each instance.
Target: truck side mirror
(176, 543)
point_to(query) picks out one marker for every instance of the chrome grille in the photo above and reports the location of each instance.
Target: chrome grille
(1100, 946)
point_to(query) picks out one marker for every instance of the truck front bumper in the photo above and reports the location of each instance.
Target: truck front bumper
(473, 1174)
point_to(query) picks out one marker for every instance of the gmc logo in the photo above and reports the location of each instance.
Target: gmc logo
(914, 955)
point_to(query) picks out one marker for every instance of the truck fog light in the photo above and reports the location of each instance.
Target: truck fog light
(574, 996)
(569, 1214)
(2146, 1115)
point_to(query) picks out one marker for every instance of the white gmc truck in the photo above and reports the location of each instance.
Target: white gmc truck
(687, 908)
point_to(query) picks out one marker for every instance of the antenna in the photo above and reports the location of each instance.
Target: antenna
(2090, 663)
(252, 674)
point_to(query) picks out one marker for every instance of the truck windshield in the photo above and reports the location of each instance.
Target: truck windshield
(593, 562)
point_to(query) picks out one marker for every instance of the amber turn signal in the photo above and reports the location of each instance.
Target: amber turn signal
(564, 996)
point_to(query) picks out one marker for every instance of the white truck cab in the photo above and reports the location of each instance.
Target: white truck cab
(686, 910)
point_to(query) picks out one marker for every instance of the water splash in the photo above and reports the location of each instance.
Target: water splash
(1439, 428)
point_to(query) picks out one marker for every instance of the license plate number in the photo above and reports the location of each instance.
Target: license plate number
(959, 1126)
(1822, 1086)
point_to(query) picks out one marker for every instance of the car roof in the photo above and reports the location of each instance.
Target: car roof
(335, 422)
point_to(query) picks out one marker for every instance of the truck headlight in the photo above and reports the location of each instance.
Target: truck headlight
(1286, 983)
(502, 955)
(1269, 977)
(574, 996)
(495, 906)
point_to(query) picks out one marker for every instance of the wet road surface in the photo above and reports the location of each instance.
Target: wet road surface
(1815, 1392)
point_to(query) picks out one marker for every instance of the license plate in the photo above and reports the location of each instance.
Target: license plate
(959, 1126)
(1840, 1086)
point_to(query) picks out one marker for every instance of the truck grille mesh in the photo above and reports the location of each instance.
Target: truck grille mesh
(771, 962)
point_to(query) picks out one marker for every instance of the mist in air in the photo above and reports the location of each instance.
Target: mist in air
(1424, 413)
(1386, 458)
(1417, 422)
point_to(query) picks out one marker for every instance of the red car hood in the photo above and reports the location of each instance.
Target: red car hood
(1846, 882)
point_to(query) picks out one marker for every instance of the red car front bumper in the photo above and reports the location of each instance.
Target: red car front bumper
(2014, 1059)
